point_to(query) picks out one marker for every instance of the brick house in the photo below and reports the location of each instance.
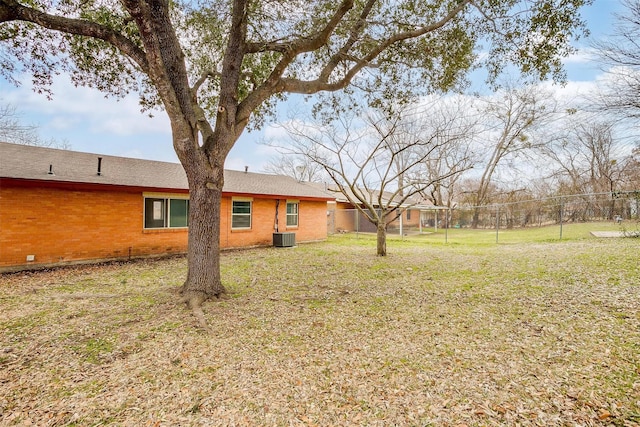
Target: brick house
(60, 207)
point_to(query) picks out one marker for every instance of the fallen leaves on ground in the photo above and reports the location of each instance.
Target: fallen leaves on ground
(330, 335)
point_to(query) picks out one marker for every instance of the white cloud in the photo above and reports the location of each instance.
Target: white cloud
(571, 91)
(275, 132)
(63, 123)
(582, 56)
(80, 106)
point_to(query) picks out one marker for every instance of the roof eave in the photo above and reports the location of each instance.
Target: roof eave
(49, 183)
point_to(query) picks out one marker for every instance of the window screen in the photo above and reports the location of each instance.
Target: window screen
(292, 214)
(241, 214)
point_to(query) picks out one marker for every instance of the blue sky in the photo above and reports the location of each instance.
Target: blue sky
(90, 122)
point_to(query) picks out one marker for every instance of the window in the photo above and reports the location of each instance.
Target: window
(241, 214)
(408, 214)
(178, 213)
(166, 213)
(292, 214)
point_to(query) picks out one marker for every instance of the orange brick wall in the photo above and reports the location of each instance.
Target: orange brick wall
(58, 226)
(413, 222)
(312, 222)
(61, 225)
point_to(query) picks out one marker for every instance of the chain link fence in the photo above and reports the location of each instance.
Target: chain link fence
(621, 209)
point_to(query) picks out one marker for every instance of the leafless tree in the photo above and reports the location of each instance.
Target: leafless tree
(374, 161)
(630, 168)
(298, 167)
(13, 129)
(621, 93)
(597, 164)
(588, 157)
(513, 118)
(453, 121)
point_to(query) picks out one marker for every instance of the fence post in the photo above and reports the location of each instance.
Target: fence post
(446, 225)
(497, 222)
(561, 215)
(436, 222)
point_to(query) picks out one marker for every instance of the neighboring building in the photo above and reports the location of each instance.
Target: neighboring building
(59, 207)
(345, 217)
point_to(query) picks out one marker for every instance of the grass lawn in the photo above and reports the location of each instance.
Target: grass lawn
(535, 333)
(552, 233)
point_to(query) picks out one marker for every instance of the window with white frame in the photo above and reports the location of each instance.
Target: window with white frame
(164, 212)
(241, 214)
(292, 214)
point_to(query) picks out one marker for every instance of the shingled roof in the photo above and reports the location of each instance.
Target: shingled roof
(24, 162)
(388, 198)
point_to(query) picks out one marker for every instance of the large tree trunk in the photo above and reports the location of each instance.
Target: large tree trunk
(205, 173)
(381, 249)
(203, 276)
(475, 221)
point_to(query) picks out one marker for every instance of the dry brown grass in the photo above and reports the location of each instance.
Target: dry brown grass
(328, 334)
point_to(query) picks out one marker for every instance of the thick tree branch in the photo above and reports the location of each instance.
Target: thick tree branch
(11, 10)
(323, 82)
(203, 78)
(305, 44)
(276, 83)
(353, 38)
(228, 119)
(289, 52)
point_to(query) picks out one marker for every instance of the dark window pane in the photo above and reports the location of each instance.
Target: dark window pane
(154, 213)
(178, 213)
(241, 207)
